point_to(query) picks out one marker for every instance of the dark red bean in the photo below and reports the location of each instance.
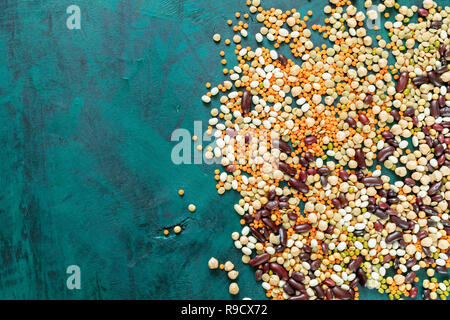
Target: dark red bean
(344, 175)
(410, 277)
(394, 236)
(378, 226)
(246, 102)
(269, 223)
(435, 79)
(319, 292)
(324, 171)
(410, 262)
(284, 167)
(372, 181)
(271, 195)
(402, 82)
(435, 188)
(409, 112)
(288, 289)
(394, 113)
(298, 276)
(302, 228)
(422, 12)
(329, 294)
(384, 153)
(442, 269)
(310, 140)
(360, 158)
(368, 99)
(298, 185)
(283, 60)
(435, 24)
(336, 203)
(259, 260)
(441, 101)
(230, 168)
(341, 293)
(422, 234)
(271, 205)
(361, 274)
(426, 294)
(258, 275)
(420, 80)
(266, 268)
(279, 270)
(329, 282)
(292, 216)
(363, 118)
(302, 296)
(351, 122)
(257, 234)
(387, 135)
(297, 285)
(343, 199)
(410, 182)
(354, 264)
(413, 292)
(283, 146)
(283, 236)
(399, 222)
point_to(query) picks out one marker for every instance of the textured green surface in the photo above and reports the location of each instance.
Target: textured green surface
(86, 177)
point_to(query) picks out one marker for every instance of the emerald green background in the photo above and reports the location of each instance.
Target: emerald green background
(86, 118)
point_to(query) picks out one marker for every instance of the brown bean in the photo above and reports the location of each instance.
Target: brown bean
(410, 277)
(310, 140)
(297, 285)
(257, 234)
(282, 59)
(302, 296)
(298, 185)
(360, 158)
(284, 167)
(434, 188)
(283, 146)
(402, 82)
(372, 181)
(363, 118)
(258, 275)
(288, 289)
(329, 282)
(298, 276)
(279, 270)
(351, 122)
(354, 264)
(259, 260)
(399, 222)
(268, 222)
(246, 103)
(422, 12)
(384, 153)
(434, 108)
(394, 236)
(302, 228)
(341, 293)
(368, 99)
(344, 175)
(420, 80)
(362, 276)
(283, 235)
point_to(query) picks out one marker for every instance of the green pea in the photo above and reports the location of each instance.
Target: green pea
(406, 92)
(426, 49)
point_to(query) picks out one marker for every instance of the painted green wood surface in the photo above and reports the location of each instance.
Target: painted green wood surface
(86, 176)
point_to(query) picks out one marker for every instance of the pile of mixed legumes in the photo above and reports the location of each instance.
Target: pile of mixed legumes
(340, 155)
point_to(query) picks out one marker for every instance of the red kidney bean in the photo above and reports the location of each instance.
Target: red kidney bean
(283, 146)
(378, 226)
(298, 276)
(271, 205)
(441, 269)
(323, 181)
(422, 234)
(283, 236)
(372, 181)
(351, 122)
(302, 228)
(384, 153)
(426, 294)
(360, 158)
(343, 175)
(292, 216)
(259, 260)
(402, 82)
(341, 293)
(434, 188)
(410, 262)
(336, 203)
(319, 292)
(422, 12)
(410, 277)
(284, 167)
(266, 268)
(307, 248)
(410, 182)
(399, 222)
(268, 222)
(310, 140)
(435, 79)
(343, 199)
(264, 212)
(297, 285)
(429, 210)
(282, 59)
(435, 24)
(394, 236)
(324, 246)
(298, 185)
(258, 275)
(363, 118)
(420, 80)
(315, 264)
(283, 205)
(279, 270)
(361, 274)
(387, 135)
(324, 171)
(329, 282)
(271, 195)
(441, 100)
(230, 168)
(434, 108)
(246, 102)
(329, 294)
(288, 289)
(413, 292)
(302, 296)
(354, 264)
(257, 234)
(368, 99)
(394, 113)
